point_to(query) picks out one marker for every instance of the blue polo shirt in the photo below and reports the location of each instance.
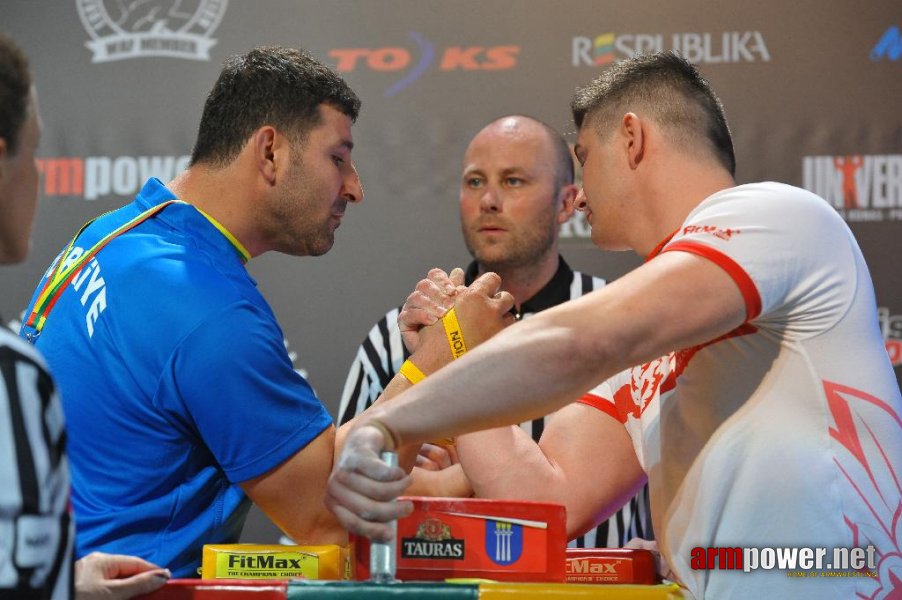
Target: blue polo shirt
(176, 386)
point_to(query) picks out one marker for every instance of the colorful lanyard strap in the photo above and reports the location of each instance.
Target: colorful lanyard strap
(57, 281)
(60, 277)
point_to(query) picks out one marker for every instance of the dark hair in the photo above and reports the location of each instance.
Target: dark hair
(666, 87)
(15, 86)
(282, 87)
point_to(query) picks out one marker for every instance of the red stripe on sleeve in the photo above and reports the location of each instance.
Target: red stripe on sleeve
(602, 404)
(746, 286)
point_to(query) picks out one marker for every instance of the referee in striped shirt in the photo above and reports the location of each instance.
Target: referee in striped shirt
(516, 190)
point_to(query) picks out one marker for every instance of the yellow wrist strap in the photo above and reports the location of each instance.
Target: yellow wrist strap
(412, 372)
(455, 335)
(414, 376)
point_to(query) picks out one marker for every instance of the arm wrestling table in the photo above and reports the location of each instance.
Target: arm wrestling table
(195, 589)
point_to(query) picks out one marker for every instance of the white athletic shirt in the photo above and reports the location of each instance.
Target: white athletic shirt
(785, 432)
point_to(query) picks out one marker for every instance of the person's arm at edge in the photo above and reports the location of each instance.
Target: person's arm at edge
(100, 576)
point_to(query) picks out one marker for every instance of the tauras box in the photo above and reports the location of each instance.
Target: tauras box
(504, 540)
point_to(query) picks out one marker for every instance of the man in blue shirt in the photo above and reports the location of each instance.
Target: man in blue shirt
(183, 404)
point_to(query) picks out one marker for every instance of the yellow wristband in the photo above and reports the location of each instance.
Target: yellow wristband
(455, 335)
(412, 372)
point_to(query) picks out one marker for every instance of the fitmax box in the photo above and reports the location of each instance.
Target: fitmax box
(611, 565)
(274, 561)
(504, 540)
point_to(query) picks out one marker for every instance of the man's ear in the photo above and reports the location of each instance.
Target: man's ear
(632, 128)
(567, 196)
(263, 146)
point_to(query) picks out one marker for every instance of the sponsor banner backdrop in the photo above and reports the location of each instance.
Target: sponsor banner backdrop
(811, 92)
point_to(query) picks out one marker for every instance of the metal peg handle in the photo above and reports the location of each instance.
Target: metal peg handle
(384, 556)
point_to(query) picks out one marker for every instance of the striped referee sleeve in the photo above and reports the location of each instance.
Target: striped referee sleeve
(377, 361)
(36, 532)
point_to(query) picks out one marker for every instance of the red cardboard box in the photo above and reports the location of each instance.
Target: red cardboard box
(611, 565)
(504, 540)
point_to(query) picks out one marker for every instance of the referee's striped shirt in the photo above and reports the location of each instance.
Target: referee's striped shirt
(382, 352)
(36, 532)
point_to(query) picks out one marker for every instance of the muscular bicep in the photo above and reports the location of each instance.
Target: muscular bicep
(597, 465)
(678, 300)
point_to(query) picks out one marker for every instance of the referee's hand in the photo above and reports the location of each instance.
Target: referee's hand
(100, 576)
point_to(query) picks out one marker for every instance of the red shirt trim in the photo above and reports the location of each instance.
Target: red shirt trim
(657, 249)
(602, 404)
(746, 286)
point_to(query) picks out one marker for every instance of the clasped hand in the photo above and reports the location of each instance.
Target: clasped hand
(362, 488)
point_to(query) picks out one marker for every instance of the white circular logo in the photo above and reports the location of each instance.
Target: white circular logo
(122, 29)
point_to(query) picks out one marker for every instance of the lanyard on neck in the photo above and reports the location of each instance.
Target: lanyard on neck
(60, 277)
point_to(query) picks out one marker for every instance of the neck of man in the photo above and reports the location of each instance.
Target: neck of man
(524, 281)
(672, 195)
(218, 193)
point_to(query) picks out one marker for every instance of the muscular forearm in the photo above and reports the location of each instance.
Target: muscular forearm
(585, 461)
(506, 463)
(676, 301)
(450, 482)
(407, 454)
(453, 400)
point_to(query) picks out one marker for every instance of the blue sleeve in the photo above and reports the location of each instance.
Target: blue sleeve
(232, 379)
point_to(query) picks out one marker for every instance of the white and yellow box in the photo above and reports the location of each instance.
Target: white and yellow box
(275, 561)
